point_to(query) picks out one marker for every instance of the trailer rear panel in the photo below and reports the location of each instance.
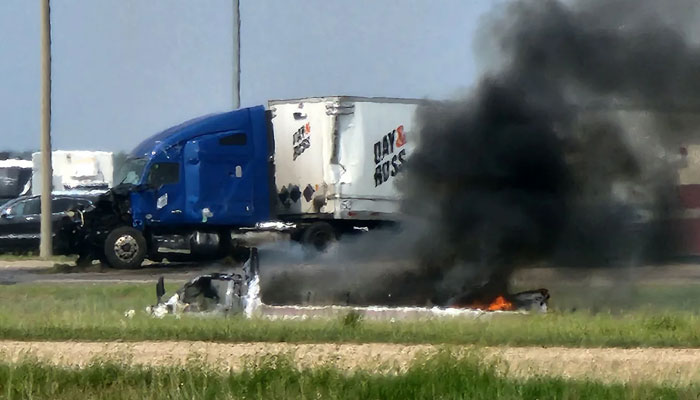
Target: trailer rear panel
(339, 157)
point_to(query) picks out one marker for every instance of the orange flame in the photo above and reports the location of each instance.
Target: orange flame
(500, 304)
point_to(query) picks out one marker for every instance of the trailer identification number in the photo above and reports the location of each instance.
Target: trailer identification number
(389, 155)
(301, 140)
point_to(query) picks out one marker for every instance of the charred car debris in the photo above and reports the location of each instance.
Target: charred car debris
(216, 293)
(211, 294)
(224, 294)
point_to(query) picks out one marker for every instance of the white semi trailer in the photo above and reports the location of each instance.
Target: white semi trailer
(76, 171)
(337, 158)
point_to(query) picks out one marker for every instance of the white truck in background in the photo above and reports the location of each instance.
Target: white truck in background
(76, 171)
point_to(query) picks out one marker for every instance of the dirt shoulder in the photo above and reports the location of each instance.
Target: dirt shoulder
(677, 366)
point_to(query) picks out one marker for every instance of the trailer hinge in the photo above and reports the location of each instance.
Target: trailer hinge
(337, 108)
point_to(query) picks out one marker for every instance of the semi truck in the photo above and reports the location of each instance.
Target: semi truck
(316, 168)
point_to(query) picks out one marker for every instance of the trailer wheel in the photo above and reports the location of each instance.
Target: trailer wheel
(125, 247)
(318, 236)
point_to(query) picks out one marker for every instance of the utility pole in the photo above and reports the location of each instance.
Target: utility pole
(236, 54)
(46, 248)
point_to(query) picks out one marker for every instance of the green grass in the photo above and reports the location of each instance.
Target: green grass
(443, 376)
(96, 312)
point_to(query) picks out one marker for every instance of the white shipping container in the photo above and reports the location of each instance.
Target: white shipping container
(340, 156)
(76, 171)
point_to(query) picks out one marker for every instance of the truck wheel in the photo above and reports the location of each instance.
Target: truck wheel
(318, 236)
(125, 247)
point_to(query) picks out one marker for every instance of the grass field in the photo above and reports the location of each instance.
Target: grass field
(442, 376)
(96, 312)
(641, 316)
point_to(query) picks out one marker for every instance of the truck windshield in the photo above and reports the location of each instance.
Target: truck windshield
(131, 171)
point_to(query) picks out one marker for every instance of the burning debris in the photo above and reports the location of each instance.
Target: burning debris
(226, 294)
(531, 300)
(214, 294)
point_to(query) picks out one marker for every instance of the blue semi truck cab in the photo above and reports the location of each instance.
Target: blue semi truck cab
(212, 170)
(182, 190)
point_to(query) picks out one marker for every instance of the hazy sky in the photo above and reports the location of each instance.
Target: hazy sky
(126, 69)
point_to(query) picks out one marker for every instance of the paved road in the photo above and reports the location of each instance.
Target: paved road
(26, 271)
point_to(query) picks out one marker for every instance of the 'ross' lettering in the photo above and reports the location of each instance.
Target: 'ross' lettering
(387, 163)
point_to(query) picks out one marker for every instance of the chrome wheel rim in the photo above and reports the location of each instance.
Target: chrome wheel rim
(126, 248)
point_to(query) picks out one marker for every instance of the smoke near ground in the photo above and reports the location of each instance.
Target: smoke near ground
(373, 268)
(564, 154)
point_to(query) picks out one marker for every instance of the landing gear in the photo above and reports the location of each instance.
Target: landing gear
(125, 247)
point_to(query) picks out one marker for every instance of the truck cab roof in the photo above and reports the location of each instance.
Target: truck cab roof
(190, 129)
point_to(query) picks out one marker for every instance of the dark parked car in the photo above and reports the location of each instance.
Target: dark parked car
(20, 223)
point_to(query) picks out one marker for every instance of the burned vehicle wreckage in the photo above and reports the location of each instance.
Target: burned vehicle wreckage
(218, 293)
(228, 293)
(212, 294)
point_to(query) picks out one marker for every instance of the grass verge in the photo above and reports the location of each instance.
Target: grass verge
(96, 312)
(442, 376)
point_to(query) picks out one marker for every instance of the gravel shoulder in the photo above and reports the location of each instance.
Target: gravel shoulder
(654, 365)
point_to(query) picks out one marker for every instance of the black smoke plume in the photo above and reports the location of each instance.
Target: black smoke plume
(563, 154)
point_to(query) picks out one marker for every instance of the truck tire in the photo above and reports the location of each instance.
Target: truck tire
(318, 236)
(125, 247)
